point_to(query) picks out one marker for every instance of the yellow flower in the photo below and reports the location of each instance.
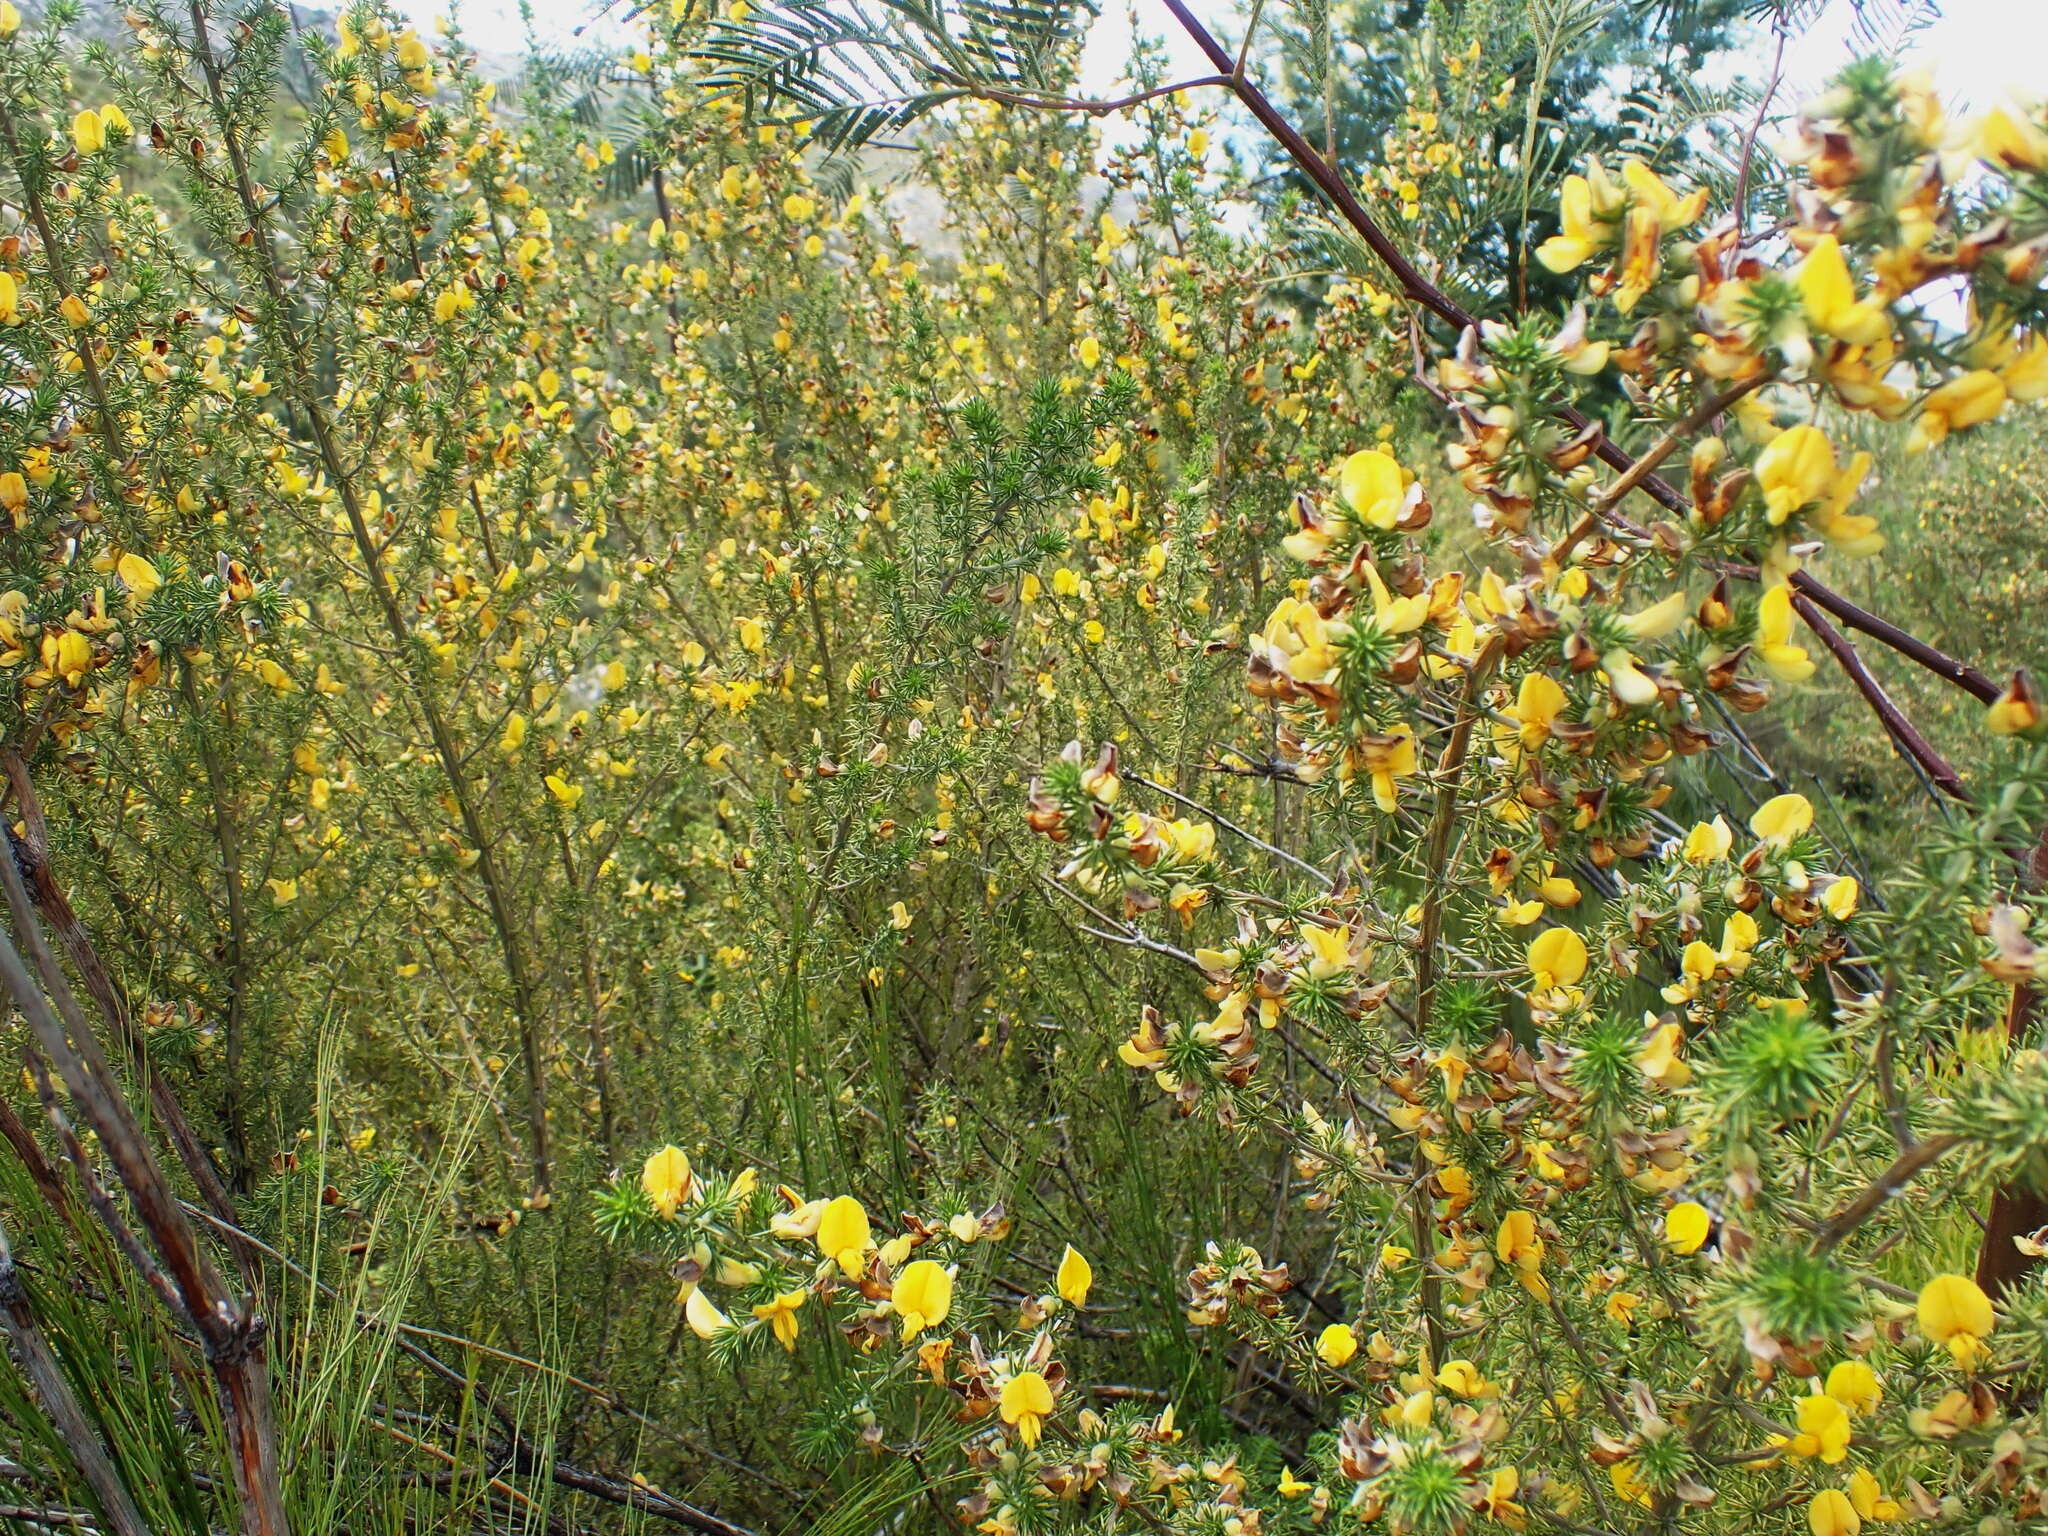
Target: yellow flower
(88, 132)
(1336, 1344)
(1517, 1243)
(139, 577)
(1538, 703)
(780, 1315)
(1074, 1277)
(1389, 759)
(283, 892)
(1464, 1378)
(1781, 818)
(1831, 1514)
(923, 1296)
(565, 793)
(1868, 1497)
(1795, 470)
(1830, 298)
(1708, 841)
(1854, 1385)
(844, 1236)
(1557, 958)
(1841, 897)
(1025, 1401)
(1955, 1311)
(1962, 402)
(1584, 208)
(1785, 661)
(667, 1178)
(1370, 483)
(76, 311)
(1659, 1058)
(10, 19)
(2008, 139)
(1687, 1226)
(702, 1314)
(2013, 713)
(1823, 1429)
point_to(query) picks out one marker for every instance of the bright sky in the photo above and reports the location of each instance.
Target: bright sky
(1978, 49)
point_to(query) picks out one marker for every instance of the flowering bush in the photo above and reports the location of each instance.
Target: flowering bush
(531, 617)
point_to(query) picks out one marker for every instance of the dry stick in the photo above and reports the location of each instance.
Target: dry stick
(294, 368)
(230, 1333)
(39, 1365)
(56, 908)
(1437, 302)
(1902, 731)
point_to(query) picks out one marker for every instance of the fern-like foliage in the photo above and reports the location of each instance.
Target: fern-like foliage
(856, 69)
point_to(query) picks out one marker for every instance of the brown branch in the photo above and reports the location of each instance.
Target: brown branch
(1904, 734)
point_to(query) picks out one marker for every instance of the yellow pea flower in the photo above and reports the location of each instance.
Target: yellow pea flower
(1389, 758)
(1782, 818)
(283, 892)
(1831, 1514)
(1371, 485)
(2013, 713)
(703, 1316)
(1074, 1277)
(1841, 897)
(10, 19)
(668, 1180)
(1954, 1310)
(2006, 138)
(1708, 841)
(1968, 401)
(1796, 469)
(1557, 958)
(565, 793)
(1336, 1345)
(88, 132)
(1517, 1242)
(1785, 661)
(844, 1235)
(1824, 1429)
(923, 1295)
(1868, 1497)
(1584, 206)
(1854, 1385)
(1659, 1058)
(1687, 1225)
(780, 1316)
(1025, 1402)
(139, 577)
(1538, 702)
(1829, 295)
(1464, 1378)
